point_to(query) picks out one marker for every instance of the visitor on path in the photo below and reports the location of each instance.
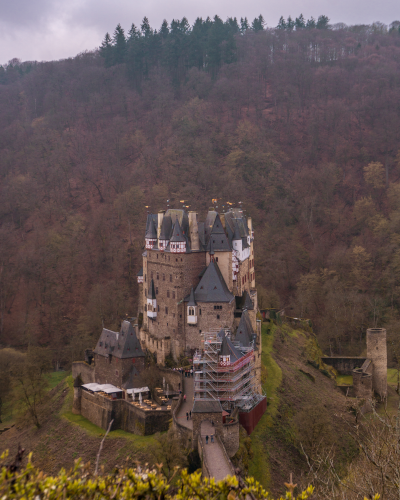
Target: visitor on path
(212, 423)
(212, 438)
(187, 415)
(190, 413)
(184, 397)
(207, 439)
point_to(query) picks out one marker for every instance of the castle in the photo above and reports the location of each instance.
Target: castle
(197, 277)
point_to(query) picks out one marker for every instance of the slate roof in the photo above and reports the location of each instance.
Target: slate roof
(228, 349)
(218, 241)
(181, 216)
(124, 344)
(192, 301)
(212, 286)
(177, 233)
(151, 230)
(166, 228)
(151, 294)
(140, 273)
(206, 407)
(245, 330)
(221, 333)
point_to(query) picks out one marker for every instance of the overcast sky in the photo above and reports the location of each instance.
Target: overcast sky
(55, 29)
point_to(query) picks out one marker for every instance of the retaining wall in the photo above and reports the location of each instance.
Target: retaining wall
(85, 370)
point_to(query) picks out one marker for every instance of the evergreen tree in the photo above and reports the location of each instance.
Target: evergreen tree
(323, 23)
(119, 45)
(281, 24)
(145, 27)
(133, 34)
(290, 23)
(233, 24)
(106, 50)
(164, 30)
(311, 23)
(244, 25)
(300, 22)
(258, 23)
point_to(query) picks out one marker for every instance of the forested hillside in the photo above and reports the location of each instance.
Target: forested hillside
(300, 125)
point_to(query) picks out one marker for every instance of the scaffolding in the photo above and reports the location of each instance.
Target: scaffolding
(216, 378)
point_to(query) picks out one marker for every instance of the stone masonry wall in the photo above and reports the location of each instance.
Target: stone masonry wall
(101, 410)
(377, 352)
(114, 370)
(198, 418)
(230, 438)
(86, 371)
(173, 276)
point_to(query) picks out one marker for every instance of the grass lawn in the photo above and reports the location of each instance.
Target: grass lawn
(54, 378)
(259, 467)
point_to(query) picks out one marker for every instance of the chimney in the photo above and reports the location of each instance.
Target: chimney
(222, 217)
(194, 231)
(160, 219)
(250, 224)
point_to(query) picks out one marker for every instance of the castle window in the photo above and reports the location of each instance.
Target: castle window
(181, 260)
(101, 343)
(158, 308)
(145, 308)
(151, 274)
(156, 290)
(199, 312)
(116, 373)
(166, 310)
(170, 278)
(176, 260)
(173, 315)
(216, 259)
(168, 293)
(199, 331)
(158, 276)
(157, 256)
(217, 316)
(173, 294)
(145, 278)
(163, 277)
(191, 311)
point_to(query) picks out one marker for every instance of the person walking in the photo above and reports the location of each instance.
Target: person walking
(190, 413)
(187, 415)
(184, 397)
(207, 439)
(212, 438)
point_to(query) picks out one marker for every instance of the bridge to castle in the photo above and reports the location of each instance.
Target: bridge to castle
(217, 463)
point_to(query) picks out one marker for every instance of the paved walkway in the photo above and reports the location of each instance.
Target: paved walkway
(188, 389)
(215, 458)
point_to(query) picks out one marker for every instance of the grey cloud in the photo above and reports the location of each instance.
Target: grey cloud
(53, 29)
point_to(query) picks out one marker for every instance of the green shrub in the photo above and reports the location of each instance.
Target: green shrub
(124, 483)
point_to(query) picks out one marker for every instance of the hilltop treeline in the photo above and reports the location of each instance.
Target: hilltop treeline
(301, 125)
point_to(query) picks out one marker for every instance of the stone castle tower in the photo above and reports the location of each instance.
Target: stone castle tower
(197, 277)
(377, 353)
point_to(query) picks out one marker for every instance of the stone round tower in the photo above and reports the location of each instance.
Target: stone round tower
(377, 352)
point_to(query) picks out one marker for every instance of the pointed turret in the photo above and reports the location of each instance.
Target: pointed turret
(151, 234)
(192, 301)
(192, 309)
(177, 243)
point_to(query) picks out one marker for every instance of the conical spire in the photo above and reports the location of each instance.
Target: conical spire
(192, 301)
(151, 233)
(177, 235)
